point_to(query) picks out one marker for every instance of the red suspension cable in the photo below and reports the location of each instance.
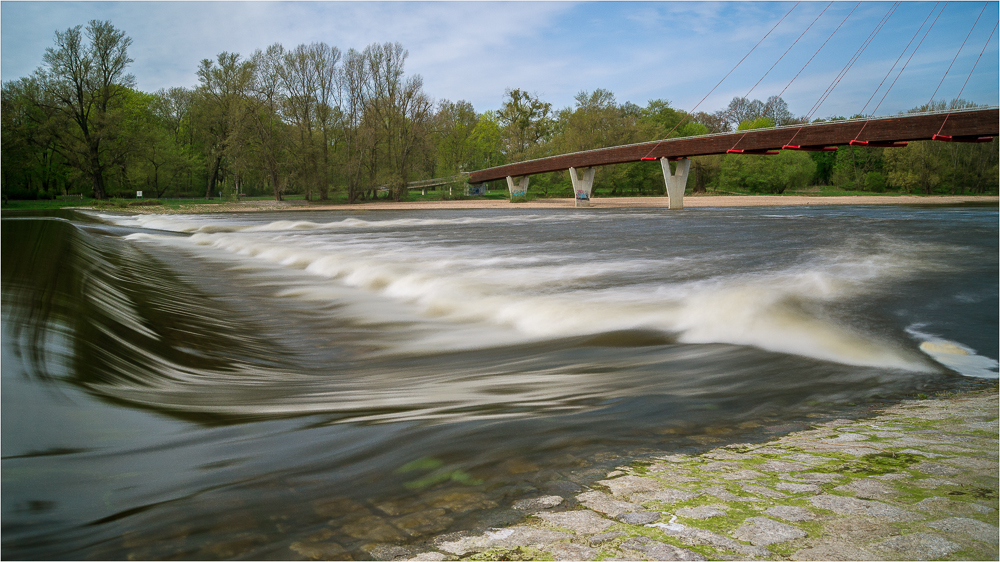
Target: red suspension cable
(850, 64)
(909, 59)
(721, 81)
(856, 141)
(988, 40)
(805, 65)
(898, 59)
(931, 101)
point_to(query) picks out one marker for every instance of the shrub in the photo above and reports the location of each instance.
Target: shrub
(875, 182)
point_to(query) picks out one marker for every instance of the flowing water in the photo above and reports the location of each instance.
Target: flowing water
(339, 384)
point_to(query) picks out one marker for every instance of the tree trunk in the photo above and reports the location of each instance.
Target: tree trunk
(97, 174)
(213, 176)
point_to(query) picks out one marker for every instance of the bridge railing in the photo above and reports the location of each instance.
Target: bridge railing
(435, 182)
(900, 127)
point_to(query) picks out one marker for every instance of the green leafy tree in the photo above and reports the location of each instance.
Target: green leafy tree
(81, 82)
(219, 110)
(31, 164)
(756, 123)
(916, 167)
(853, 164)
(766, 174)
(526, 123)
(454, 131)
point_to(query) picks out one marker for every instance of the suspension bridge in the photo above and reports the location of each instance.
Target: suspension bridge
(953, 125)
(979, 125)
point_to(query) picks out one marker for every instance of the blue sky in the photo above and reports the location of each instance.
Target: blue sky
(639, 50)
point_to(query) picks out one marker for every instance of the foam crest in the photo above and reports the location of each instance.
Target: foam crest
(455, 289)
(196, 223)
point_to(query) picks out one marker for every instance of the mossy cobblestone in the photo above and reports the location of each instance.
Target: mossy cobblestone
(916, 482)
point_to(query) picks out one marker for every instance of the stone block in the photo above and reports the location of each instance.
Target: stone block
(583, 522)
(982, 532)
(655, 550)
(790, 513)
(916, 546)
(761, 531)
(796, 488)
(605, 504)
(702, 512)
(868, 488)
(667, 495)
(842, 505)
(628, 485)
(762, 491)
(536, 504)
(833, 550)
(782, 466)
(569, 551)
(511, 537)
(639, 518)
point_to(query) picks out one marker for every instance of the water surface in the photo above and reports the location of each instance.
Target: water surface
(336, 384)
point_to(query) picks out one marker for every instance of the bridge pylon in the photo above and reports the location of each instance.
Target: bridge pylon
(676, 181)
(582, 187)
(520, 189)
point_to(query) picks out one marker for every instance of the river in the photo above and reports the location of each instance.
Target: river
(340, 384)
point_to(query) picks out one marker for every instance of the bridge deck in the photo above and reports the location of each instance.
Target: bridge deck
(982, 122)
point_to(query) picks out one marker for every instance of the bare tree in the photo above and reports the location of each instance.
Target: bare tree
(82, 80)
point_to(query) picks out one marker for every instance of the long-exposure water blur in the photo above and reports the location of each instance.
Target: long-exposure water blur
(264, 385)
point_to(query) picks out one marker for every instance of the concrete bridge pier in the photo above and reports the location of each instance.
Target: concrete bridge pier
(582, 187)
(520, 189)
(676, 181)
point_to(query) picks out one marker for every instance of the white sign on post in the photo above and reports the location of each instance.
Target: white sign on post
(138, 195)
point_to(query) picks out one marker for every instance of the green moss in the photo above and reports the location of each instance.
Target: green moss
(874, 464)
(438, 477)
(424, 463)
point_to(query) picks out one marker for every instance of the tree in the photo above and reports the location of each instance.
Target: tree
(308, 75)
(270, 135)
(760, 122)
(353, 78)
(32, 166)
(398, 113)
(916, 167)
(454, 127)
(219, 108)
(853, 164)
(525, 122)
(766, 174)
(81, 81)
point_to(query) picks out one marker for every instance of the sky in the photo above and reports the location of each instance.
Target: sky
(640, 51)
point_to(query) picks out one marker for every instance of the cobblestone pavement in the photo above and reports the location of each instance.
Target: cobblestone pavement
(917, 482)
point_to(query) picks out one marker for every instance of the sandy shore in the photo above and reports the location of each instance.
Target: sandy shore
(690, 201)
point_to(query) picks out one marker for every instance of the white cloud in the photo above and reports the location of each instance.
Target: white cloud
(475, 50)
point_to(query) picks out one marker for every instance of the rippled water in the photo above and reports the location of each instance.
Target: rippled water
(337, 384)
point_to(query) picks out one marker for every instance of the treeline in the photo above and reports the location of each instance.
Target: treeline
(319, 122)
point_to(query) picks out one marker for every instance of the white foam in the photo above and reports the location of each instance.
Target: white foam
(461, 289)
(956, 356)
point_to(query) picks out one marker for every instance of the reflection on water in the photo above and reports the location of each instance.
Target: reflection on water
(336, 386)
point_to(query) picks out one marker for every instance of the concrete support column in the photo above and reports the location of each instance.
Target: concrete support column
(676, 181)
(582, 187)
(520, 189)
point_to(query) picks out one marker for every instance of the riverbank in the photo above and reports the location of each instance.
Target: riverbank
(690, 201)
(918, 481)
